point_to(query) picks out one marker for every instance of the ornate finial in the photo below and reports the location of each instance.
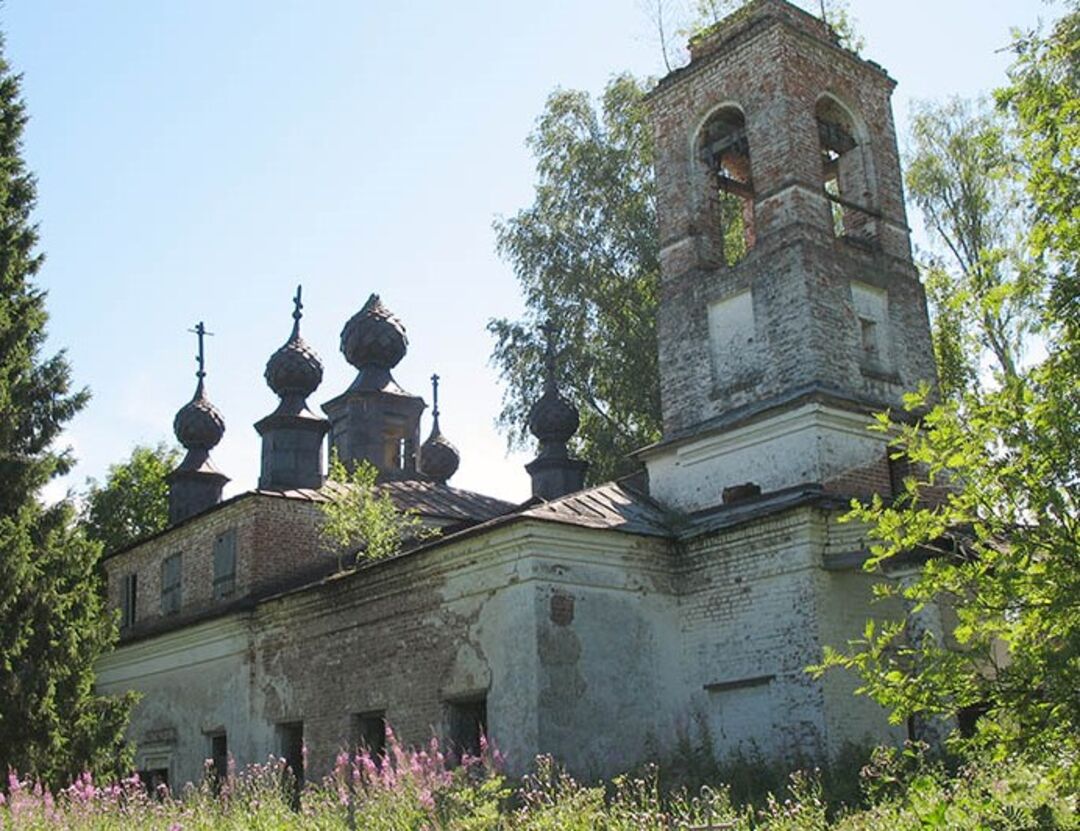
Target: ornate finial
(200, 330)
(435, 397)
(297, 313)
(550, 331)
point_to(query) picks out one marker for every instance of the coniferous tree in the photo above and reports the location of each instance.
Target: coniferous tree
(52, 621)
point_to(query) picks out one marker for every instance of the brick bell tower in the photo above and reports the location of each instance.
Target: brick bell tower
(790, 306)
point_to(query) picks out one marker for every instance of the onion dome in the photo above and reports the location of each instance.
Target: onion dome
(552, 418)
(374, 337)
(295, 369)
(198, 425)
(439, 459)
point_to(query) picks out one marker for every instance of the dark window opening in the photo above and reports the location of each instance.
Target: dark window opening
(899, 470)
(843, 173)
(156, 781)
(725, 152)
(225, 564)
(219, 759)
(369, 733)
(967, 718)
(128, 597)
(170, 584)
(291, 741)
(467, 723)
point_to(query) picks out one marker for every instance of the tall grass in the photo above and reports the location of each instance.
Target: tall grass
(425, 788)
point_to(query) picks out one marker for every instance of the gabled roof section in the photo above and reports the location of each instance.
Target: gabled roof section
(429, 499)
(612, 506)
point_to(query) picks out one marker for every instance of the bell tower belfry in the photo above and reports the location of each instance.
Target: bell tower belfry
(790, 307)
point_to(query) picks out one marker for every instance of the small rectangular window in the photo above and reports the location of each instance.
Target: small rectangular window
(225, 564)
(170, 584)
(467, 723)
(128, 596)
(219, 758)
(369, 732)
(291, 743)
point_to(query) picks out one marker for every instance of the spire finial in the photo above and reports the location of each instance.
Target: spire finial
(549, 330)
(435, 396)
(200, 330)
(297, 311)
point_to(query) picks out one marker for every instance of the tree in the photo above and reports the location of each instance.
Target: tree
(1009, 585)
(983, 287)
(587, 257)
(360, 518)
(134, 501)
(52, 624)
(1043, 97)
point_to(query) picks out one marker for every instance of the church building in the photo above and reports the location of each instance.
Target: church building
(595, 624)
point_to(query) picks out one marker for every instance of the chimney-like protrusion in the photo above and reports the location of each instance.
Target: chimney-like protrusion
(553, 420)
(292, 435)
(439, 459)
(196, 484)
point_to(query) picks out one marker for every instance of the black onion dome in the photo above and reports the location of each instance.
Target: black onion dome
(198, 425)
(439, 459)
(374, 337)
(295, 369)
(552, 418)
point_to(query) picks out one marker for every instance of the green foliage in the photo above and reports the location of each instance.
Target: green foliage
(837, 13)
(993, 495)
(52, 624)
(134, 501)
(587, 257)
(983, 289)
(1011, 463)
(361, 519)
(908, 795)
(1044, 99)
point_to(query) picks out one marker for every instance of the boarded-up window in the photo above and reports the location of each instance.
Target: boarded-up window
(225, 564)
(127, 601)
(170, 584)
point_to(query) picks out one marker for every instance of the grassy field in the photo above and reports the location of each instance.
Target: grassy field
(420, 788)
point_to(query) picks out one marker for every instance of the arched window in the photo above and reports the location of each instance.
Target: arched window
(844, 171)
(725, 154)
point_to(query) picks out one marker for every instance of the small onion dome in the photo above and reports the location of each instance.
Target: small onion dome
(552, 418)
(374, 337)
(439, 459)
(295, 369)
(198, 425)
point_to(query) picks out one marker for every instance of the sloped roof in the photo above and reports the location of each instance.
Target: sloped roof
(429, 499)
(611, 506)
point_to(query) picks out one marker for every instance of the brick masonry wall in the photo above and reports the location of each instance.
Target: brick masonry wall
(276, 539)
(774, 66)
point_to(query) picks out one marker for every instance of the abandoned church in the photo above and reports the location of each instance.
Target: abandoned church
(594, 624)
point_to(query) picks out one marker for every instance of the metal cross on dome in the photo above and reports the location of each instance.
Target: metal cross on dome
(435, 396)
(200, 331)
(550, 331)
(297, 305)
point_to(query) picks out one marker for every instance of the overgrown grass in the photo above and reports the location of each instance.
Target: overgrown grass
(421, 788)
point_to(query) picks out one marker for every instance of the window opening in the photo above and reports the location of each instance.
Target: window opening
(725, 152)
(468, 722)
(170, 585)
(225, 564)
(219, 759)
(291, 740)
(369, 733)
(128, 598)
(843, 174)
(155, 781)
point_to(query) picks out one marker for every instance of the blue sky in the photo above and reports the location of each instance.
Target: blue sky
(197, 159)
